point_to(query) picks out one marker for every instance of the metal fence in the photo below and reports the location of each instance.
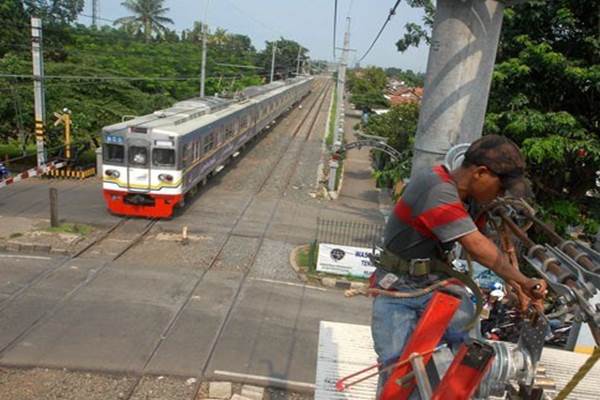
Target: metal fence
(348, 233)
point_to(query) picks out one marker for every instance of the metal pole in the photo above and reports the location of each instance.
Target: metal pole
(38, 88)
(273, 61)
(203, 72)
(298, 61)
(53, 207)
(94, 13)
(341, 82)
(68, 135)
(459, 71)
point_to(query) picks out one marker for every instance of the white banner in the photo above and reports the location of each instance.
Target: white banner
(345, 260)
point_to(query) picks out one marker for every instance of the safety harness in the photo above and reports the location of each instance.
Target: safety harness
(419, 267)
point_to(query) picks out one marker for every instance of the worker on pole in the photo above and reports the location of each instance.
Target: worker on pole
(438, 209)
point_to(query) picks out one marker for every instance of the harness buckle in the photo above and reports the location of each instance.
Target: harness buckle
(419, 266)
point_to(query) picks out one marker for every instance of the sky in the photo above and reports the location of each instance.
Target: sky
(308, 22)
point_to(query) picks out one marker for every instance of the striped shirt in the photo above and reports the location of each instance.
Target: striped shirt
(429, 214)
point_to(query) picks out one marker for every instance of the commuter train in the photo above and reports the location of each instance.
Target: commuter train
(151, 162)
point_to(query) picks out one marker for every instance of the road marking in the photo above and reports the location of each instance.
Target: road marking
(27, 257)
(301, 285)
(266, 380)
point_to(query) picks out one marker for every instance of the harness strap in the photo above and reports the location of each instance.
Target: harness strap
(467, 280)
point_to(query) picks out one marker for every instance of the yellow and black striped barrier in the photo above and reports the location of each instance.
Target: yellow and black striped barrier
(72, 173)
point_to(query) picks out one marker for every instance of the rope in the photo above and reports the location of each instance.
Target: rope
(585, 368)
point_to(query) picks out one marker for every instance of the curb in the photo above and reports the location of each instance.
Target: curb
(18, 247)
(326, 281)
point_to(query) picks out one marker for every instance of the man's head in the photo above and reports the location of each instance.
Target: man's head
(494, 165)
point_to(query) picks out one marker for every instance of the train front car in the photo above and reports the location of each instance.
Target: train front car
(151, 162)
(140, 175)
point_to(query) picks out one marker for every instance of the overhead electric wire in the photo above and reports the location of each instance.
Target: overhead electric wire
(389, 17)
(98, 18)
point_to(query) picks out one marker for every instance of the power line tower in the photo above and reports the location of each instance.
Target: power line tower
(95, 13)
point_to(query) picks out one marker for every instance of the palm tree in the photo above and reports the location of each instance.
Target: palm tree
(148, 17)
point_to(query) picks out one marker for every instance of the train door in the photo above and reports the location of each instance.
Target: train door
(138, 165)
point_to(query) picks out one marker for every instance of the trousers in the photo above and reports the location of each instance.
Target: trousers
(394, 319)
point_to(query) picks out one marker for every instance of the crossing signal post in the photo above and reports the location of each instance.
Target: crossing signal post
(65, 119)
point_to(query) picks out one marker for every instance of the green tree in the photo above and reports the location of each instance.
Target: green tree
(398, 126)
(410, 78)
(546, 96)
(55, 11)
(12, 29)
(366, 86)
(286, 57)
(148, 17)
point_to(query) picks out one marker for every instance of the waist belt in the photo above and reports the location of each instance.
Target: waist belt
(399, 266)
(423, 266)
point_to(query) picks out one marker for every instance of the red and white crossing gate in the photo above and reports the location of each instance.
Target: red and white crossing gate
(33, 172)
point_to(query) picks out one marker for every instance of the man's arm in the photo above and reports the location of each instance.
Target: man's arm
(484, 251)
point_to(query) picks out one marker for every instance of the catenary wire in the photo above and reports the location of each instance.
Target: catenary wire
(389, 17)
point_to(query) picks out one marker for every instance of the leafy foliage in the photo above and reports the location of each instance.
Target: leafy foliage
(72, 50)
(409, 77)
(546, 96)
(366, 87)
(398, 126)
(148, 18)
(414, 33)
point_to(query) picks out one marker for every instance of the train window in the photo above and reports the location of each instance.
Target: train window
(114, 153)
(208, 143)
(228, 131)
(138, 156)
(163, 157)
(188, 155)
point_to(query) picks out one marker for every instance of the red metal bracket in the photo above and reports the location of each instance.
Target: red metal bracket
(470, 365)
(427, 335)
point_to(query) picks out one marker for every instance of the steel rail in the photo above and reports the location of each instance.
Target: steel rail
(183, 305)
(245, 275)
(71, 293)
(44, 274)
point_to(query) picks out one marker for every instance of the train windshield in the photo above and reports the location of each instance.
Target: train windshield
(114, 153)
(163, 157)
(138, 156)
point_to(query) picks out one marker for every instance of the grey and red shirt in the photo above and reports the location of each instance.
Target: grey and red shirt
(429, 214)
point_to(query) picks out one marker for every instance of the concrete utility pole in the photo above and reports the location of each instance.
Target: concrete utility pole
(463, 49)
(273, 61)
(341, 81)
(204, 35)
(298, 61)
(203, 71)
(339, 116)
(38, 88)
(94, 13)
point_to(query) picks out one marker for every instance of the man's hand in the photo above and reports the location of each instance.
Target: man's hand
(536, 289)
(531, 293)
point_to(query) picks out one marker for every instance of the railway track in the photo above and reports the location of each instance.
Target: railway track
(318, 101)
(146, 227)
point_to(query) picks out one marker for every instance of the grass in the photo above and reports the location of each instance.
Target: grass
(307, 257)
(331, 128)
(13, 150)
(77, 229)
(338, 174)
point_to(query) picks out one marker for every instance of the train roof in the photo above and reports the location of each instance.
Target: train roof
(187, 115)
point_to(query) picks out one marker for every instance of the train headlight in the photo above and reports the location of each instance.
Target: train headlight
(113, 173)
(166, 178)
